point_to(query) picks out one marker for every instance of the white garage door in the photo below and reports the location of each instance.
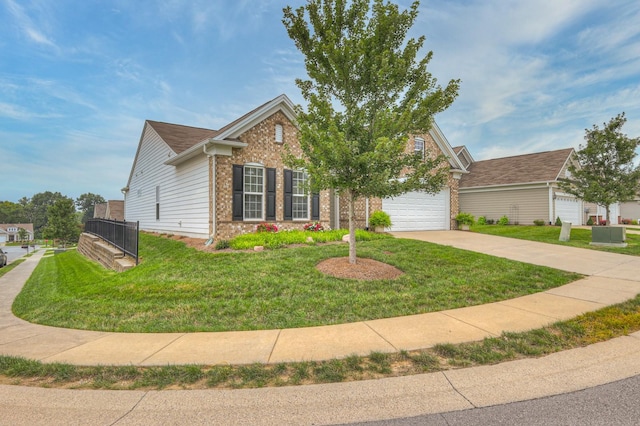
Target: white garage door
(569, 209)
(417, 211)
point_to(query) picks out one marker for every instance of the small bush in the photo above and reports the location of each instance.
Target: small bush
(626, 221)
(490, 221)
(379, 218)
(590, 222)
(482, 220)
(266, 227)
(634, 222)
(504, 220)
(603, 222)
(465, 219)
(538, 222)
(558, 221)
(222, 244)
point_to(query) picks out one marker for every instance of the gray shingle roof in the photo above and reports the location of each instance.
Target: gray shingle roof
(529, 168)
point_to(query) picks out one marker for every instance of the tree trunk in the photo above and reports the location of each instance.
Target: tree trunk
(608, 215)
(352, 228)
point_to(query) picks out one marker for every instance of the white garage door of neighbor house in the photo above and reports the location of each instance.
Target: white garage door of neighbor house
(569, 210)
(418, 211)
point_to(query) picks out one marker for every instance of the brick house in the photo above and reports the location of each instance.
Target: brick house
(217, 184)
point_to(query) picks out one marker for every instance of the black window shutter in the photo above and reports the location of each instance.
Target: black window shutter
(271, 194)
(238, 172)
(315, 206)
(288, 195)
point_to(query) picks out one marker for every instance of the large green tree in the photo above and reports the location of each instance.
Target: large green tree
(36, 207)
(606, 174)
(62, 221)
(86, 204)
(368, 90)
(11, 212)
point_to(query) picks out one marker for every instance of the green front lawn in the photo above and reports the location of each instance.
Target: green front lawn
(551, 234)
(179, 289)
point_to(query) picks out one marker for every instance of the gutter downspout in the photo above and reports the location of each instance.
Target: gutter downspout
(551, 205)
(366, 212)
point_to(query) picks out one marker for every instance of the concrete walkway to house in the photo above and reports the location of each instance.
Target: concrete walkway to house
(611, 279)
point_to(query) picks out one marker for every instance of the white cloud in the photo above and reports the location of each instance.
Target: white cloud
(26, 25)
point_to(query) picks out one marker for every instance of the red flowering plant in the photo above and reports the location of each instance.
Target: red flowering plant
(266, 227)
(314, 227)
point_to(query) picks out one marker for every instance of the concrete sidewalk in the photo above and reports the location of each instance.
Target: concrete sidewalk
(612, 279)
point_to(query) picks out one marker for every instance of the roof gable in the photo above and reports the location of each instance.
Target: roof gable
(521, 169)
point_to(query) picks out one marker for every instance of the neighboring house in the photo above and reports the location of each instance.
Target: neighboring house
(10, 232)
(217, 184)
(599, 213)
(112, 210)
(524, 188)
(628, 210)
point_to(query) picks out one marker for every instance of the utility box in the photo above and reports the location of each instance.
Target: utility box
(565, 232)
(608, 235)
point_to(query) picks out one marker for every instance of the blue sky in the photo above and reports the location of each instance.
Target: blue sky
(78, 78)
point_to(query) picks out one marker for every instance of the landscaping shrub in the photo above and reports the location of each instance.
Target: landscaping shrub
(634, 222)
(222, 244)
(590, 222)
(482, 220)
(538, 222)
(490, 221)
(465, 219)
(266, 227)
(379, 218)
(314, 227)
(558, 221)
(504, 220)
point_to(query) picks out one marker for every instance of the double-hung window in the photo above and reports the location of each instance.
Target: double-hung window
(419, 146)
(300, 198)
(253, 192)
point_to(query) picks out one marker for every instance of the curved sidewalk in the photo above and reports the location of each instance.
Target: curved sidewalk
(611, 279)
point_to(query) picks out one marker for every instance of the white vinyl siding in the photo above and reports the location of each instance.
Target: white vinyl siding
(521, 206)
(253, 193)
(184, 191)
(418, 211)
(300, 196)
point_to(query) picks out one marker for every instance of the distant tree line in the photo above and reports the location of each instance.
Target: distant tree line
(53, 215)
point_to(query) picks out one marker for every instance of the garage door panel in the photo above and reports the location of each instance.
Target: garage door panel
(569, 210)
(418, 211)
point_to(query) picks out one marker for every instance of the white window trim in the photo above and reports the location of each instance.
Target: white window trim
(261, 194)
(417, 141)
(304, 195)
(279, 133)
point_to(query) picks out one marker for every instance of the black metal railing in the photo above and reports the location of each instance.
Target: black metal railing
(123, 235)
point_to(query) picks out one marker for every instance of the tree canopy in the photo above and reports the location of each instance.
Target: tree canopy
(368, 90)
(606, 174)
(86, 204)
(62, 223)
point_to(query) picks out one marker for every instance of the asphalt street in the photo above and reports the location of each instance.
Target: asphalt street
(611, 404)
